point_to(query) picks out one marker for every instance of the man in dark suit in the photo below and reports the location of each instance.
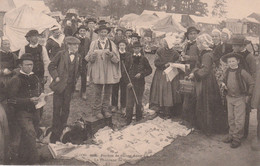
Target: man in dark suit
(64, 69)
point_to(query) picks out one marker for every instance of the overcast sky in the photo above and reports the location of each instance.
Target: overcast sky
(238, 8)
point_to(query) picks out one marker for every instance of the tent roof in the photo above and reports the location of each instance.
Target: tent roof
(129, 17)
(205, 20)
(20, 20)
(145, 21)
(160, 14)
(168, 24)
(36, 4)
(249, 19)
(6, 5)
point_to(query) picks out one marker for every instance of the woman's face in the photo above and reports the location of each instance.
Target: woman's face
(224, 37)
(216, 38)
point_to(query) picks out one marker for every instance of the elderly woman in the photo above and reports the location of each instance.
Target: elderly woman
(163, 93)
(209, 113)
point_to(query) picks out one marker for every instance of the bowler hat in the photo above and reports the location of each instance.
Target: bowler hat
(189, 30)
(239, 39)
(71, 40)
(135, 35)
(26, 56)
(32, 33)
(230, 55)
(101, 27)
(136, 44)
(91, 20)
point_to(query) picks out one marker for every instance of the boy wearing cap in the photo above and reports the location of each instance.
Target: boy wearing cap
(122, 84)
(64, 69)
(23, 92)
(138, 67)
(40, 55)
(55, 41)
(239, 85)
(103, 70)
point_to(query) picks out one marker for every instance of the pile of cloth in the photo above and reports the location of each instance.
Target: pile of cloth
(128, 145)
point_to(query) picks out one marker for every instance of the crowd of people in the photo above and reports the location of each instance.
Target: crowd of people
(220, 68)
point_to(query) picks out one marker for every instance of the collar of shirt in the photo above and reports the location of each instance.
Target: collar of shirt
(139, 54)
(121, 52)
(33, 46)
(26, 73)
(102, 41)
(244, 50)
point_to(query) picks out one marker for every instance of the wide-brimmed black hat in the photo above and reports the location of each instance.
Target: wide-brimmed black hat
(26, 56)
(71, 40)
(101, 27)
(238, 39)
(122, 41)
(102, 22)
(229, 55)
(189, 30)
(119, 29)
(91, 20)
(32, 33)
(135, 35)
(136, 44)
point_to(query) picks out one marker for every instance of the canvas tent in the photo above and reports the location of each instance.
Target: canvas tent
(5, 5)
(160, 14)
(167, 25)
(35, 4)
(20, 20)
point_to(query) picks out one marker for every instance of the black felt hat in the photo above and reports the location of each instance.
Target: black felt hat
(189, 30)
(101, 27)
(230, 55)
(238, 39)
(136, 44)
(26, 56)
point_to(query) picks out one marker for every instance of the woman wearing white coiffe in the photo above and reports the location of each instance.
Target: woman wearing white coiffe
(103, 70)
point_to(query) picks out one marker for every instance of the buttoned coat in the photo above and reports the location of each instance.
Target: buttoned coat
(59, 67)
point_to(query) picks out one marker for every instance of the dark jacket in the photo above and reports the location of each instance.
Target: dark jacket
(52, 48)
(68, 31)
(244, 80)
(84, 46)
(220, 50)
(135, 65)
(20, 89)
(248, 63)
(59, 68)
(192, 50)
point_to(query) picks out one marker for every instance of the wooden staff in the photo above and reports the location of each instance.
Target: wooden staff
(130, 82)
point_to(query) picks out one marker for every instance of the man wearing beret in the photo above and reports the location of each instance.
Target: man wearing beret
(40, 55)
(64, 69)
(23, 94)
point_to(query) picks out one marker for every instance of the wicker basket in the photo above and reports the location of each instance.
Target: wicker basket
(186, 87)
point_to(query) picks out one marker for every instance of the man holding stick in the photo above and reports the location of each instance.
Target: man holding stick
(137, 68)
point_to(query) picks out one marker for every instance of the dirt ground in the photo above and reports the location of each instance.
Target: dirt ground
(195, 149)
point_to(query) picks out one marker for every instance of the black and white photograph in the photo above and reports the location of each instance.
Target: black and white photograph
(130, 82)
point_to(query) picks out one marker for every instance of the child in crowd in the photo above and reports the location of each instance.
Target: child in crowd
(122, 84)
(239, 85)
(138, 67)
